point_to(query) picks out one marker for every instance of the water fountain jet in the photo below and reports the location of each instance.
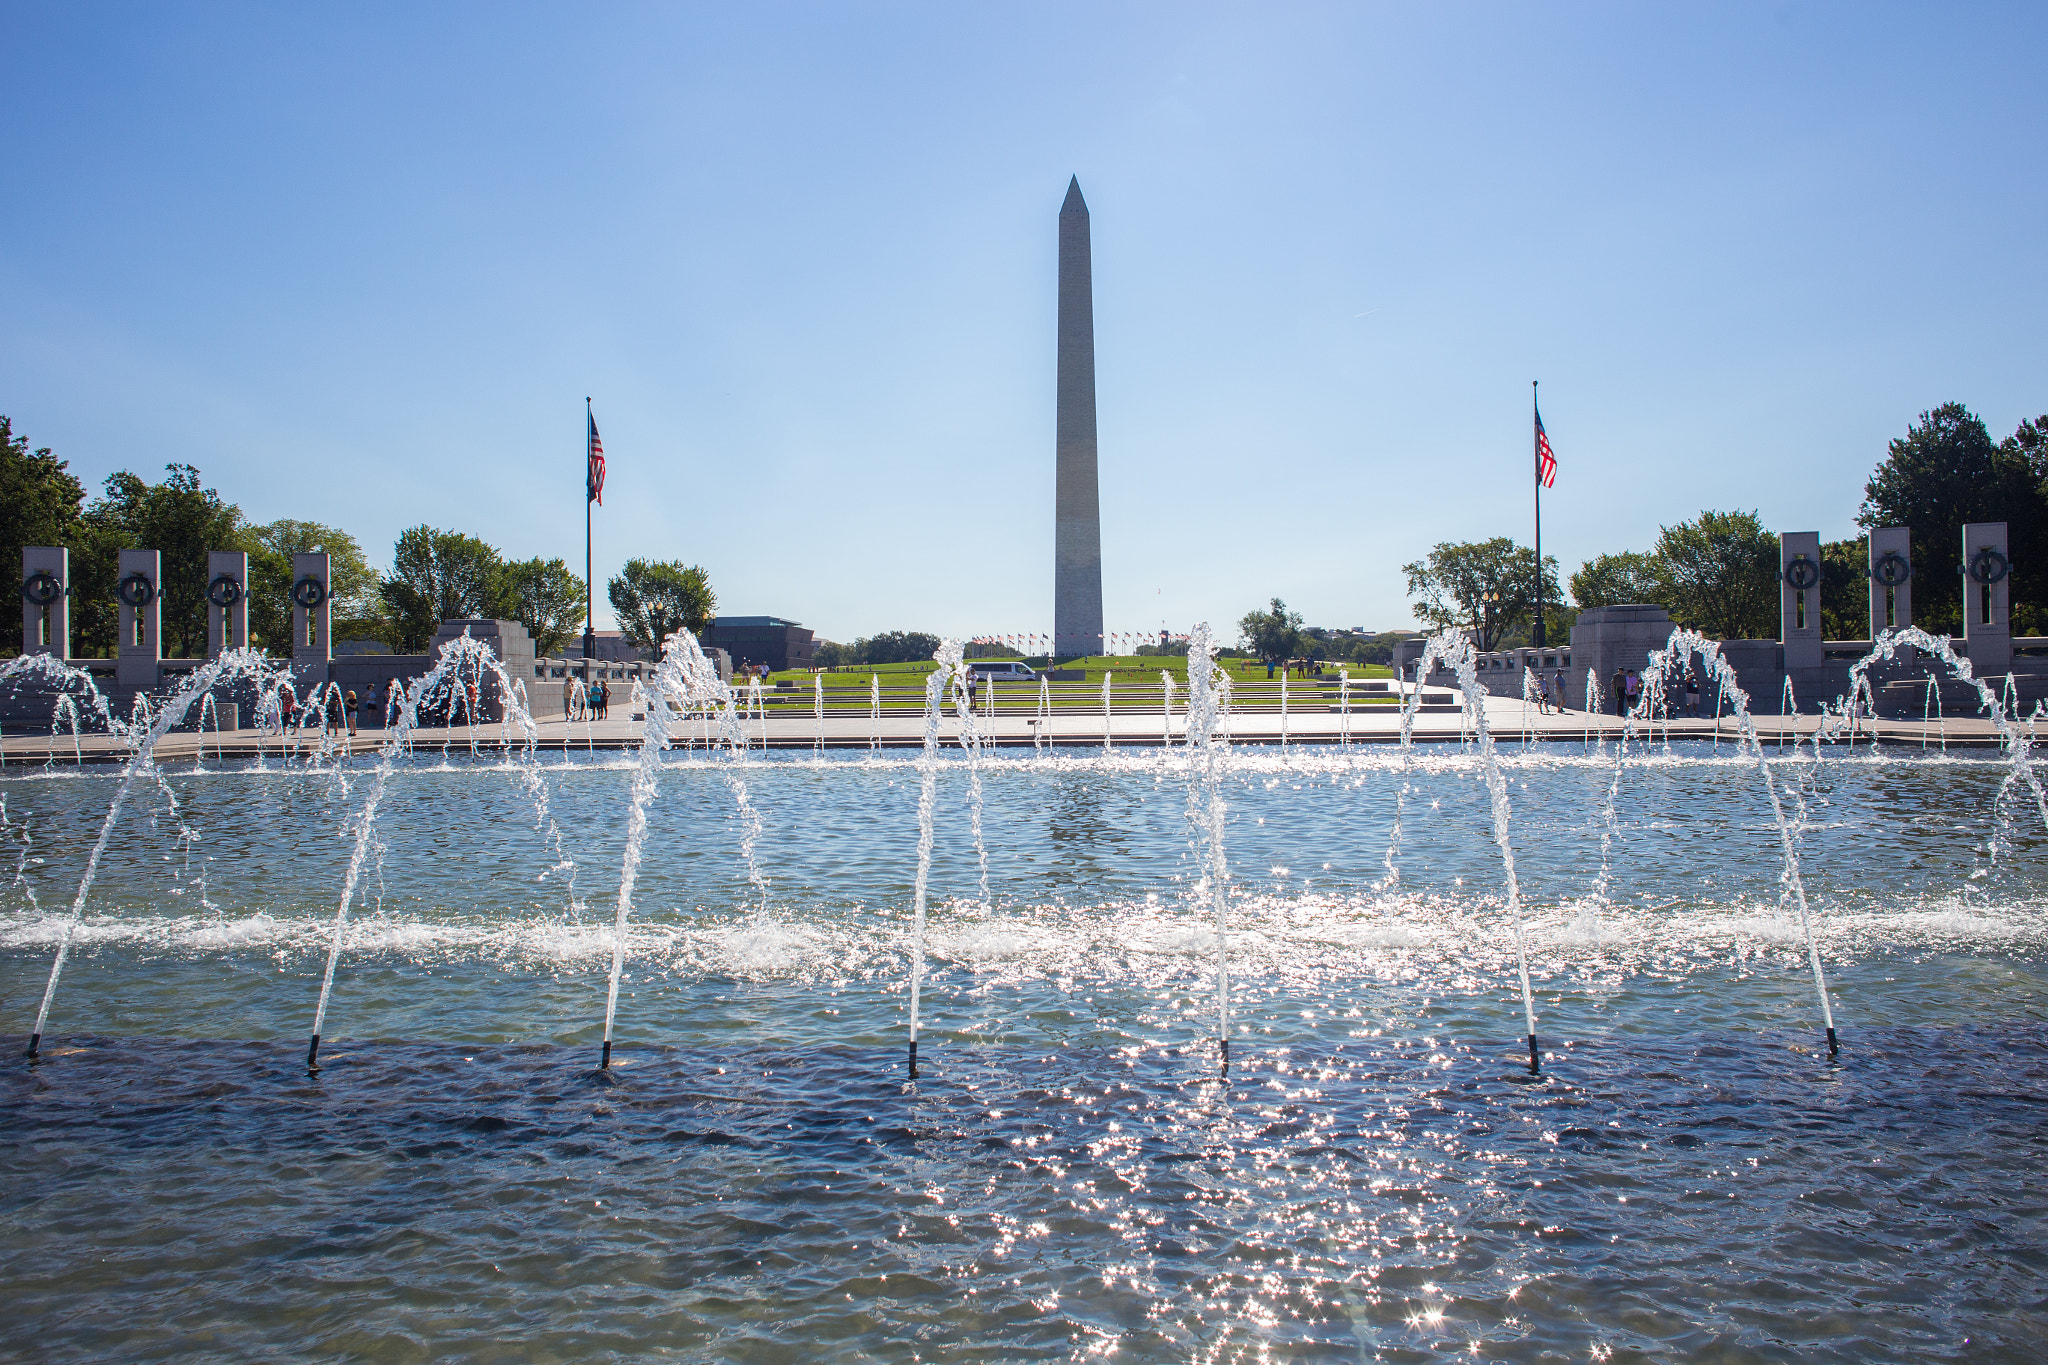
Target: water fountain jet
(1206, 743)
(201, 680)
(948, 658)
(684, 679)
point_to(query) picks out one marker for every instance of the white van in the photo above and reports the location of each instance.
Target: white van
(1001, 670)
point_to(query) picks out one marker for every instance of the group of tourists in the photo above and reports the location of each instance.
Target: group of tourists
(586, 701)
(1626, 688)
(340, 712)
(335, 709)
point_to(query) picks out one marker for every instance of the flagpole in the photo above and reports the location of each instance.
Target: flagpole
(589, 608)
(1536, 458)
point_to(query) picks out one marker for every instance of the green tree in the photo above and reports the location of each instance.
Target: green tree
(1722, 574)
(2028, 443)
(41, 503)
(2027, 447)
(1624, 579)
(96, 547)
(1945, 472)
(181, 521)
(1488, 588)
(1273, 635)
(894, 647)
(440, 576)
(358, 599)
(1845, 588)
(655, 599)
(546, 598)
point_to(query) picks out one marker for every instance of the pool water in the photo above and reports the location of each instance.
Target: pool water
(1377, 1177)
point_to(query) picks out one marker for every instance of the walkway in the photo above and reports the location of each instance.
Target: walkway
(1510, 720)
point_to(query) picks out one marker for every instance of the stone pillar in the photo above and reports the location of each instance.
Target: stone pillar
(140, 655)
(46, 600)
(1406, 653)
(1891, 579)
(1607, 638)
(312, 647)
(513, 647)
(1077, 507)
(1987, 598)
(1799, 576)
(227, 601)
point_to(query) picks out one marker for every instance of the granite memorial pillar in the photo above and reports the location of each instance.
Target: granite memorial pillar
(46, 600)
(1891, 579)
(139, 652)
(1987, 597)
(1799, 576)
(312, 649)
(227, 601)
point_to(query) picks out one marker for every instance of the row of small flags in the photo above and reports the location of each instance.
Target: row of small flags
(1117, 642)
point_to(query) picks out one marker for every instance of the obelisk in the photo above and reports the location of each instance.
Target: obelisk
(1077, 511)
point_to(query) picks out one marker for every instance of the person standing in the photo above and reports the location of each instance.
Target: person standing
(1635, 688)
(1619, 684)
(604, 700)
(349, 709)
(1557, 689)
(568, 696)
(1692, 694)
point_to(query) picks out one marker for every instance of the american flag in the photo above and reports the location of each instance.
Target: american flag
(594, 479)
(1546, 463)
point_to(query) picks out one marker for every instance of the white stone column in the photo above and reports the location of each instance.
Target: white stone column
(1891, 579)
(46, 600)
(312, 611)
(1987, 597)
(227, 601)
(140, 655)
(1799, 576)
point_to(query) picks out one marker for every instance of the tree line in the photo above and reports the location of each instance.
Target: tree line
(889, 647)
(435, 575)
(1275, 635)
(1718, 573)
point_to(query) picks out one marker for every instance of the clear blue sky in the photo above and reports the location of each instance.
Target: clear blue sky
(362, 263)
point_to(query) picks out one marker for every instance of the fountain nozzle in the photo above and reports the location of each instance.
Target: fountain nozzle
(913, 1059)
(1223, 1046)
(1535, 1062)
(313, 1051)
(35, 1042)
(1833, 1048)
(604, 1063)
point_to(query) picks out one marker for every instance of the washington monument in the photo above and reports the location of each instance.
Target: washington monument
(1077, 533)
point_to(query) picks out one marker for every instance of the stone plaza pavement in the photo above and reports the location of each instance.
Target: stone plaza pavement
(1510, 720)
